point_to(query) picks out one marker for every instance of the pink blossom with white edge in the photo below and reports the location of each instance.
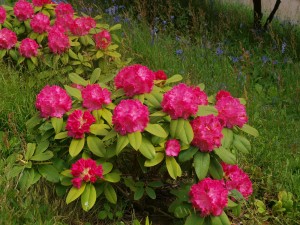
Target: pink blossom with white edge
(172, 147)
(28, 48)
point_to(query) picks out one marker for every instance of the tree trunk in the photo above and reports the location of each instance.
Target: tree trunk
(257, 14)
(271, 16)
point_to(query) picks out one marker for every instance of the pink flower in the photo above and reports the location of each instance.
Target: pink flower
(222, 94)
(63, 9)
(2, 15)
(41, 2)
(102, 39)
(53, 101)
(23, 10)
(182, 101)
(207, 133)
(78, 86)
(8, 39)
(78, 123)
(209, 197)
(160, 75)
(28, 48)
(130, 116)
(58, 42)
(85, 170)
(65, 22)
(135, 80)
(172, 147)
(236, 178)
(94, 97)
(82, 26)
(231, 112)
(40, 23)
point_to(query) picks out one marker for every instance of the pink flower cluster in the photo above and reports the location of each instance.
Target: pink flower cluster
(28, 48)
(53, 101)
(2, 15)
(8, 38)
(160, 75)
(41, 2)
(78, 123)
(40, 23)
(82, 26)
(64, 15)
(209, 197)
(102, 39)
(94, 97)
(231, 111)
(236, 178)
(182, 101)
(130, 116)
(135, 79)
(85, 170)
(172, 147)
(58, 42)
(207, 133)
(23, 10)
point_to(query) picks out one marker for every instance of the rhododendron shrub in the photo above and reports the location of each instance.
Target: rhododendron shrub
(75, 42)
(28, 48)
(8, 39)
(136, 136)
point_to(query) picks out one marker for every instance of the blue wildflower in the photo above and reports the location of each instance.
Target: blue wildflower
(234, 59)
(219, 51)
(283, 46)
(179, 52)
(264, 59)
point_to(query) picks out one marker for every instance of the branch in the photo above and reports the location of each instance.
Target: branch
(271, 16)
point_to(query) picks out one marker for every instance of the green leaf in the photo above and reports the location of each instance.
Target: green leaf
(115, 27)
(99, 54)
(138, 194)
(227, 138)
(182, 129)
(113, 54)
(28, 178)
(88, 197)
(34, 60)
(33, 122)
(147, 149)
(135, 139)
(107, 115)
(74, 193)
(201, 164)
(95, 75)
(156, 130)
(61, 135)
(49, 172)
(30, 65)
(72, 54)
(57, 124)
(205, 110)
(215, 169)
(173, 167)
(153, 162)
(159, 113)
(154, 99)
(42, 156)
(15, 171)
(99, 129)
(194, 219)
(225, 155)
(241, 143)
(73, 92)
(150, 192)
(96, 146)
(122, 142)
(110, 135)
(182, 210)
(13, 54)
(110, 194)
(187, 154)
(107, 167)
(76, 146)
(215, 220)
(250, 130)
(173, 79)
(224, 219)
(112, 177)
(76, 79)
(30, 150)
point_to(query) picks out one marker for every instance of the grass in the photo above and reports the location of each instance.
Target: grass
(225, 55)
